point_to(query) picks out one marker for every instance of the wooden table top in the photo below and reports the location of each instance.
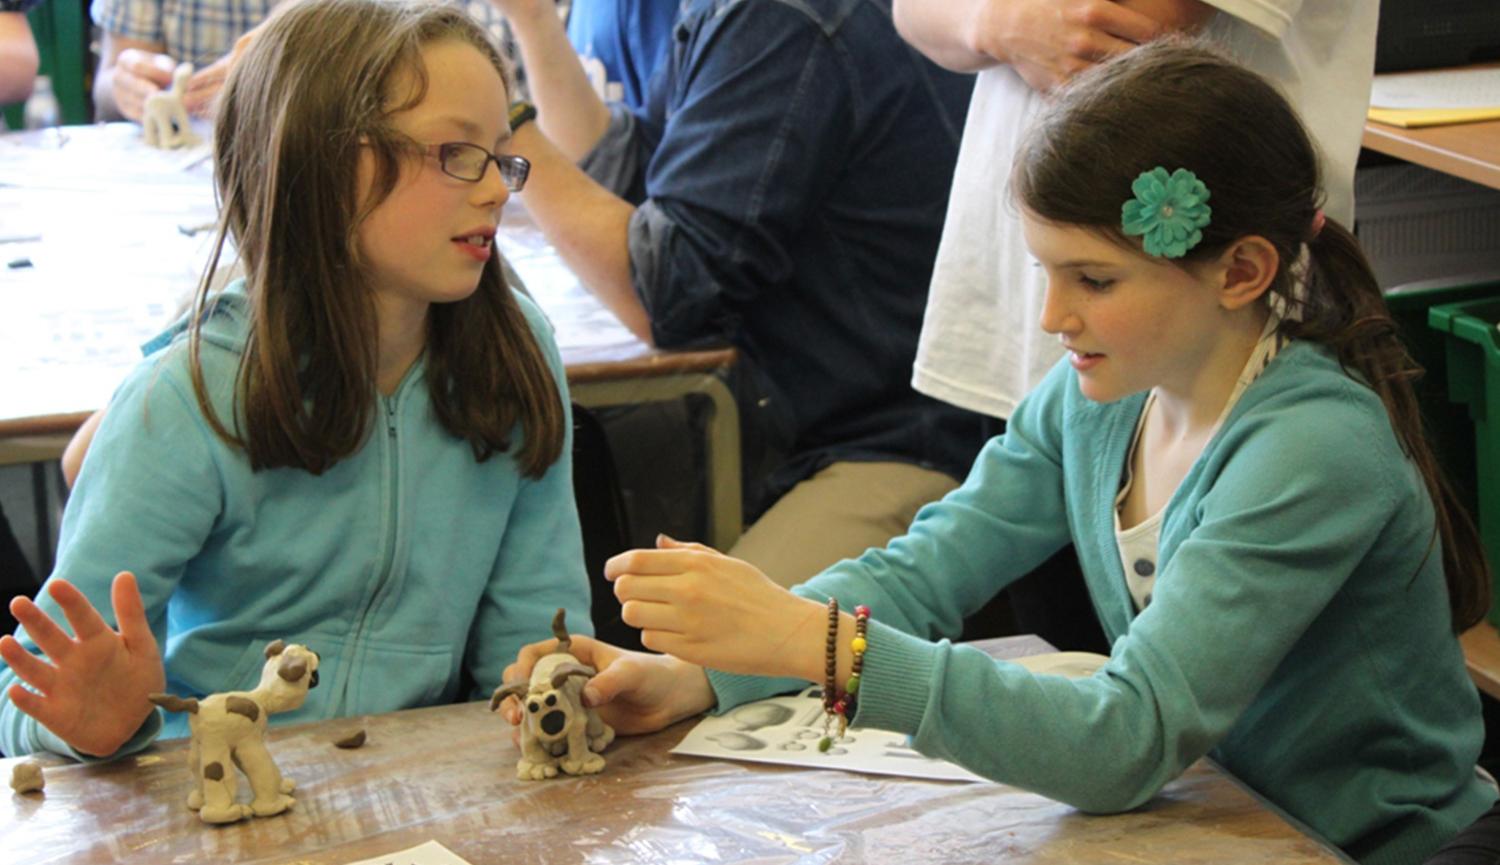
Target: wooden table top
(448, 774)
(1467, 150)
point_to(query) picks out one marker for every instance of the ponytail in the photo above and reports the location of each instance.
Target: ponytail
(1345, 310)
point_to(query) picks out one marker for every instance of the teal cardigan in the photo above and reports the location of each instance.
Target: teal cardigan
(1298, 632)
(409, 567)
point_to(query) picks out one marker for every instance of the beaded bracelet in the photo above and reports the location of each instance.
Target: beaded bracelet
(843, 706)
(831, 659)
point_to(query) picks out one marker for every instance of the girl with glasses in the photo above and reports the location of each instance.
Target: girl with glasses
(362, 446)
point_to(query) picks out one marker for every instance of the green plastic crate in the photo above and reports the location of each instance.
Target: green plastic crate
(1471, 341)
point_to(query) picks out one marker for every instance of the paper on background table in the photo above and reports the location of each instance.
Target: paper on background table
(430, 853)
(1449, 89)
(785, 730)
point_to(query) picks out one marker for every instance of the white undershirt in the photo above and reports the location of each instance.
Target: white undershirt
(1139, 545)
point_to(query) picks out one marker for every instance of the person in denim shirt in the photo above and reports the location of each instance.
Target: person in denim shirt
(782, 190)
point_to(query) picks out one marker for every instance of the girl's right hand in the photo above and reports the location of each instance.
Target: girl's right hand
(635, 692)
(90, 689)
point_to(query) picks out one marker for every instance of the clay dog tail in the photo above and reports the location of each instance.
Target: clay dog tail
(560, 631)
(175, 704)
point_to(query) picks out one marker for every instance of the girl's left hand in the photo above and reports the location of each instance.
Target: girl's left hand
(702, 606)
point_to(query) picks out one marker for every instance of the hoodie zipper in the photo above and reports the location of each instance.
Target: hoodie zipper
(388, 555)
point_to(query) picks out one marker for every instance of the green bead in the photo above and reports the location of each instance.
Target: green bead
(852, 686)
(825, 743)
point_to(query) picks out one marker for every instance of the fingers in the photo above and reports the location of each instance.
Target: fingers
(43, 631)
(652, 616)
(86, 621)
(654, 562)
(147, 66)
(130, 613)
(1123, 23)
(28, 667)
(666, 542)
(30, 702)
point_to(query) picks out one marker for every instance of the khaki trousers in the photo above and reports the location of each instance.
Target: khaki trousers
(837, 514)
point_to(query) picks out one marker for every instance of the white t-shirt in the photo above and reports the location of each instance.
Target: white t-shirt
(981, 346)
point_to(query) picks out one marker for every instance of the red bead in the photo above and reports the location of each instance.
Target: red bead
(862, 610)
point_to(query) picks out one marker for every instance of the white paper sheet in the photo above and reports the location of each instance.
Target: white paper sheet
(430, 853)
(1443, 88)
(786, 730)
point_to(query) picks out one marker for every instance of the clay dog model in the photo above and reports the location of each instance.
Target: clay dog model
(164, 120)
(229, 730)
(557, 731)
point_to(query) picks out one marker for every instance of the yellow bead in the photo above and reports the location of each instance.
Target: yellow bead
(858, 645)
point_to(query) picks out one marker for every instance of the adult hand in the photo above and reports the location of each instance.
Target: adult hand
(90, 689)
(702, 606)
(136, 75)
(635, 692)
(1049, 41)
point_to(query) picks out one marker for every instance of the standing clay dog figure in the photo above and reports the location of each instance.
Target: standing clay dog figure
(557, 731)
(229, 730)
(164, 119)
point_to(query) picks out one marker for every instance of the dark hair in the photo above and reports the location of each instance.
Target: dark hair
(1178, 104)
(311, 90)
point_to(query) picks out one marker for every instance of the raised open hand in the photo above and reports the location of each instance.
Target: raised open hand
(90, 688)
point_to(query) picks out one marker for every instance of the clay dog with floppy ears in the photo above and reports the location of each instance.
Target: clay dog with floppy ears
(229, 730)
(557, 730)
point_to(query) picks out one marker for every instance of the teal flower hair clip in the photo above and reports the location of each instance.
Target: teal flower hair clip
(1167, 211)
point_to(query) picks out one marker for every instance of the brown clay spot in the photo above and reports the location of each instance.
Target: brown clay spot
(242, 706)
(354, 740)
(214, 771)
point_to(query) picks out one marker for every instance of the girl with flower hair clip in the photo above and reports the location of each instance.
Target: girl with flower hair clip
(363, 446)
(1234, 447)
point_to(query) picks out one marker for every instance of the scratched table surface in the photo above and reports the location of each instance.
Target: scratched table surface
(448, 774)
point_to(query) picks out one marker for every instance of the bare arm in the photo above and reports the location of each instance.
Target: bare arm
(568, 109)
(18, 57)
(1045, 41)
(129, 71)
(587, 223)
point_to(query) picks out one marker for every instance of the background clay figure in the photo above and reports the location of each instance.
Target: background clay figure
(164, 118)
(557, 731)
(229, 730)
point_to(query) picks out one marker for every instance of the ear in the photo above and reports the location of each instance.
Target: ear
(563, 672)
(275, 648)
(1247, 267)
(515, 690)
(292, 669)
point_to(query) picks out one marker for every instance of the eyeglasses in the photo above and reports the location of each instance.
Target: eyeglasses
(465, 161)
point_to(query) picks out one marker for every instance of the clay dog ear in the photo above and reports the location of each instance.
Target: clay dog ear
(275, 648)
(514, 689)
(292, 669)
(563, 672)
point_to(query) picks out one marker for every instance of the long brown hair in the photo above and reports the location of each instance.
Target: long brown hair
(1181, 105)
(311, 90)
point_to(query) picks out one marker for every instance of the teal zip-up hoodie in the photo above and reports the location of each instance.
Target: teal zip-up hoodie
(404, 566)
(1298, 630)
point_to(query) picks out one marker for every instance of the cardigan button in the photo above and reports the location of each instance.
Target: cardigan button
(1145, 567)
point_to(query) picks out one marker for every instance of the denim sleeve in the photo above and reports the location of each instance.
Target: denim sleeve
(618, 161)
(762, 117)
